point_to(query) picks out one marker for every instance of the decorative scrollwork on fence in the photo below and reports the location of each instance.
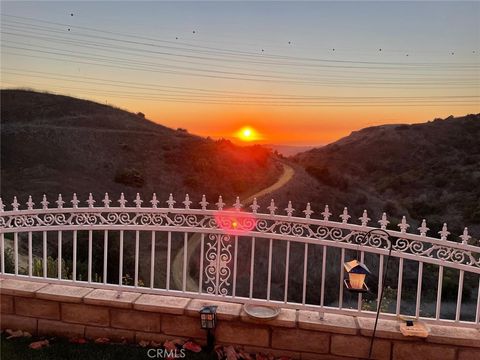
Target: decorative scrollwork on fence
(234, 221)
(218, 269)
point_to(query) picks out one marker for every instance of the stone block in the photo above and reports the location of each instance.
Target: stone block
(59, 328)
(37, 308)
(103, 297)
(469, 354)
(243, 334)
(116, 335)
(85, 314)
(63, 293)
(358, 346)
(161, 304)
(135, 320)
(182, 326)
(387, 329)
(20, 287)
(422, 351)
(6, 304)
(300, 340)
(313, 356)
(340, 324)
(15, 322)
(453, 335)
(225, 310)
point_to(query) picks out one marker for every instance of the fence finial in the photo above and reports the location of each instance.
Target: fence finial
(30, 204)
(187, 202)
(204, 202)
(326, 213)
(308, 211)
(138, 201)
(403, 225)
(60, 201)
(364, 219)
(154, 201)
(255, 206)
(90, 201)
(289, 209)
(237, 204)
(423, 228)
(220, 204)
(345, 215)
(15, 204)
(383, 221)
(444, 232)
(44, 202)
(122, 201)
(272, 207)
(2, 205)
(465, 237)
(106, 201)
(75, 201)
(170, 201)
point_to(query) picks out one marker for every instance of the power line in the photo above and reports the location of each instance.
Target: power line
(330, 83)
(102, 47)
(260, 101)
(214, 50)
(189, 90)
(137, 62)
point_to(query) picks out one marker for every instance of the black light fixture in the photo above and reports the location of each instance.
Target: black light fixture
(208, 321)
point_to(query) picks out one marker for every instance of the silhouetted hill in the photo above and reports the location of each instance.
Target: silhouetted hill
(429, 170)
(58, 144)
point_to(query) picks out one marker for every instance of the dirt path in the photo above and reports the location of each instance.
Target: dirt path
(194, 241)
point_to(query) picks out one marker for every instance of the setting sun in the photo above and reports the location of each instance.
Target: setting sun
(247, 134)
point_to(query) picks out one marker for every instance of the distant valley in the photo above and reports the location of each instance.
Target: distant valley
(56, 144)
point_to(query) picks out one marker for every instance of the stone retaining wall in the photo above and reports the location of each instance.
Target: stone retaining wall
(50, 309)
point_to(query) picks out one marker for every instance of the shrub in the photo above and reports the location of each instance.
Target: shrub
(52, 268)
(130, 177)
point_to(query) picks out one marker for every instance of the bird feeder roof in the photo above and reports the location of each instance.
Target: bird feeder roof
(356, 267)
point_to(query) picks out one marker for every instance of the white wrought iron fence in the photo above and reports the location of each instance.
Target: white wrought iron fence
(230, 254)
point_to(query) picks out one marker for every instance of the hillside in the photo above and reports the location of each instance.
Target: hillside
(57, 144)
(429, 170)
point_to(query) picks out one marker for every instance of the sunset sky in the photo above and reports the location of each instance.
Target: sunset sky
(294, 73)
